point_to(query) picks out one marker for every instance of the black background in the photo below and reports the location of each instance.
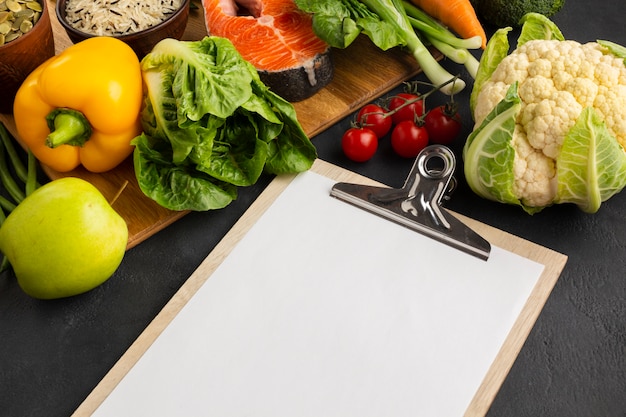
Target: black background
(53, 353)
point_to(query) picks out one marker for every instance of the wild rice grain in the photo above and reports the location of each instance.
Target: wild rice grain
(97, 17)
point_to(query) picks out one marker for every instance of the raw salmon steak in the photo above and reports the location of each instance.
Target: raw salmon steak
(278, 39)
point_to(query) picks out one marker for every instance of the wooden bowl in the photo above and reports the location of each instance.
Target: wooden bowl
(141, 42)
(20, 57)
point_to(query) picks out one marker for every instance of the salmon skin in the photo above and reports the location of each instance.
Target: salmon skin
(278, 39)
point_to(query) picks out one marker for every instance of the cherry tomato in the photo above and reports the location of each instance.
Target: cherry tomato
(443, 123)
(372, 116)
(359, 143)
(408, 111)
(408, 138)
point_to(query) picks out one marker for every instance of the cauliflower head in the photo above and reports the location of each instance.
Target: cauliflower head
(550, 84)
(556, 80)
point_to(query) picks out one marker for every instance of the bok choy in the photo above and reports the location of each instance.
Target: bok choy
(387, 24)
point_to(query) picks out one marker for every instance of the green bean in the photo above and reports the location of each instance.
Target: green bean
(27, 174)
(6, 205)
(31, 178)
(4, 264)
(7, 179)
(18, 165)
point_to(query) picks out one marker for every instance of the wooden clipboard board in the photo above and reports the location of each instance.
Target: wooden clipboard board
(553, 263)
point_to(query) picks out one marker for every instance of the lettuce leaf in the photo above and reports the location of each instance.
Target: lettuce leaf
(174, 186)
(210, 125)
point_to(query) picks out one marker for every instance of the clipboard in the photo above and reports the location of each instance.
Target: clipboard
(307, 347)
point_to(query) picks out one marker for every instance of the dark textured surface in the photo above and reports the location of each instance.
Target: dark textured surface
(573, 364)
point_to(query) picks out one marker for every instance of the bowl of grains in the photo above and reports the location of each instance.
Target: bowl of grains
(139, 23)
(26, 41)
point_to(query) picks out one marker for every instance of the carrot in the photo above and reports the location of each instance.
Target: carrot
(458, 15)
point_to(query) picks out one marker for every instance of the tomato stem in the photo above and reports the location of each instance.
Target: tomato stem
(412, 89)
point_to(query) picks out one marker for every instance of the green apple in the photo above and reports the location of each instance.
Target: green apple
(64, 239)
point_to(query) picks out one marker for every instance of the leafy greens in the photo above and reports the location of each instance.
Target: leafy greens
(210, 126)
(386, 23)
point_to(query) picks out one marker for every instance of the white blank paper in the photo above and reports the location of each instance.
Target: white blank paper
(324, 310)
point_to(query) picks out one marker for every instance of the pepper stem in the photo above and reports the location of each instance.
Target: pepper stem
(67, 127)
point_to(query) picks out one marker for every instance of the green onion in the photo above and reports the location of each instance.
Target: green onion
(446, 42)
(393, 12)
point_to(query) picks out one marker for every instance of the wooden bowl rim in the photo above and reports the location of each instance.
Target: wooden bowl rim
(36, 28)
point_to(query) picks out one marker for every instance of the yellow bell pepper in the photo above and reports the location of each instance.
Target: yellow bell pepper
(82, 107)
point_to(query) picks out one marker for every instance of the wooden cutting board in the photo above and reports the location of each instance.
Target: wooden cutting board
(362, 73)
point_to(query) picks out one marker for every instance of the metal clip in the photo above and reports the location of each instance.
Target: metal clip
(417, 205)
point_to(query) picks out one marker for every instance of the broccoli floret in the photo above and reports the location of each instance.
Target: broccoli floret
(502, 13)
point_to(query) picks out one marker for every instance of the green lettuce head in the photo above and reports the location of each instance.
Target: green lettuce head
(210, 126)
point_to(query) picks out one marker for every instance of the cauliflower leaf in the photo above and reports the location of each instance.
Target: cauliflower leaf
(592, 165)
(617, 50)
(538, 26)
(496, 50)
(488, 154)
